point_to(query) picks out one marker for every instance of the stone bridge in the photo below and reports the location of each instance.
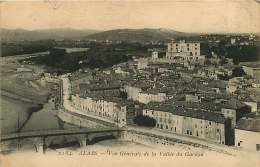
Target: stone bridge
(41, 139)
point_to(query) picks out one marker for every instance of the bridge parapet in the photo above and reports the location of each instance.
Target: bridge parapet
(42, 139)
(46, 133)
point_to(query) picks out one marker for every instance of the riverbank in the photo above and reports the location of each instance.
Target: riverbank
(44, 118)
(22, 94)
(26, 84)
(14, 113)
(14, 96)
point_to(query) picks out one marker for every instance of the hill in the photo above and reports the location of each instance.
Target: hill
(140, 35)
(45, 34)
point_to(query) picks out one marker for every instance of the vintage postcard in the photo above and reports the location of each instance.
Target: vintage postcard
(130, 83)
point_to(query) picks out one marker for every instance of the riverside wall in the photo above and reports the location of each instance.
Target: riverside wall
(80, 121)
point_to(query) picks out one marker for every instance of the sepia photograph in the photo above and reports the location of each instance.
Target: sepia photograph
(130, 83)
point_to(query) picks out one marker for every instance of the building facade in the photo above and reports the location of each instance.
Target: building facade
(184, 51)
(137, 94)
(247, 140)
(117, 112)
(211, 128)
(191, 48)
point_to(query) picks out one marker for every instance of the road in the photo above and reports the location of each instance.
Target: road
(183, 139)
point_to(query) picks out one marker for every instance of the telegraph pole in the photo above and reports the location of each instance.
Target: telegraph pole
(117, 120)
(117, 124)
(18, 122)
(18, 130)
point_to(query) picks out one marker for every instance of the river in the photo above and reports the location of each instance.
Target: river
(45, 118)
(24, 105)
(14, 113)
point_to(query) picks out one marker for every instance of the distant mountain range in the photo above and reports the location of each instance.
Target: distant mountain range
(145, 34)
(139, 35)
(56, 34)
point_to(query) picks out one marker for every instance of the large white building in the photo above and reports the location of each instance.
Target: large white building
(136, 93)
(204, 125)
(191, 48)
(187, 51)
(112, 109)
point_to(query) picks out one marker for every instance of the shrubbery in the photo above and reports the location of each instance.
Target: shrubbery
(145, 121)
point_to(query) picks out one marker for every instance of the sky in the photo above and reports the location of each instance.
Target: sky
(181, 15)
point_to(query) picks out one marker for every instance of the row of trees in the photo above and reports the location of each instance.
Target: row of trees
(26, 47)
(239, 53)
(98, 56)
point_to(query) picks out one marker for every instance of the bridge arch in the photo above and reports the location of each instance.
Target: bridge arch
(42, 139)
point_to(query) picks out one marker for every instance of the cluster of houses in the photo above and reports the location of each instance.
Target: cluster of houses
(180, 91)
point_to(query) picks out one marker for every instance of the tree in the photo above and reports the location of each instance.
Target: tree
(143, 120)
(238, 72)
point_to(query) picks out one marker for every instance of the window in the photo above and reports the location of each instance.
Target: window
(257, 147)
(209, 123)
(217, 130)
(166, 127)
